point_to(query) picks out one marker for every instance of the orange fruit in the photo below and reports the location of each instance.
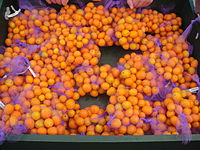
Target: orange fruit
(46, 113)
(29, 123)
(48, 122)
(115, 123)
(9, 108)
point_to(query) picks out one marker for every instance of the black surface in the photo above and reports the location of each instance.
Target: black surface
(100, 146)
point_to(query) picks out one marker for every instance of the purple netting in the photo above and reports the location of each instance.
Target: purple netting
(29, 48)
(58, 88)
(155, 125)
(114, 38)
(37, 30)
(111, 118)
(60, 93)
(99, 116)
(56, 71)
(113, 3)
(19, 129)
(82, 68)
(58, 85)
(2, 49)
(2, 135)
(157, 41)
(163, 57)
(168, 9)
(120, 67)
(30, 5)
(15, 95)
(73, 25)
(146, 120)
(156, 109)
(189, 28)
(190, 49)
(95, 82)
(164, 24)
(184, 130)
(18, 65)
(196, 79)
(81, 3)
(163, 91)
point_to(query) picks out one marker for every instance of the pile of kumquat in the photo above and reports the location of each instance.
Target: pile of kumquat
(149, 93)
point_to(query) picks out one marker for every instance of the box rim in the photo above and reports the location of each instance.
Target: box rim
(97, 139)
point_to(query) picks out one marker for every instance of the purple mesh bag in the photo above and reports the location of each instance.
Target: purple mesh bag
(164, 24)
(157, 41)
(120, 67)
(100, 116)
(58, 88)
(146, 120)
(30, 5)
(80, 3)
(56, 71)
(15, 96)
(30, 48)
(165, 87)
(2, 135)
(113, 3)
(184, 130)
(19, 129)
(167, 9)
(2, 49)
(190, 49)
(163, 91)
(82, 68)
(154, 123)
(189, 28)
(19, 65)
(111, 118)
(186, 33)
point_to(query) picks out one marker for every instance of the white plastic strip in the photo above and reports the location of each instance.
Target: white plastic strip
(193, 90)
(2, 105)
(32, 72)
(8, 14)
(197, 36)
